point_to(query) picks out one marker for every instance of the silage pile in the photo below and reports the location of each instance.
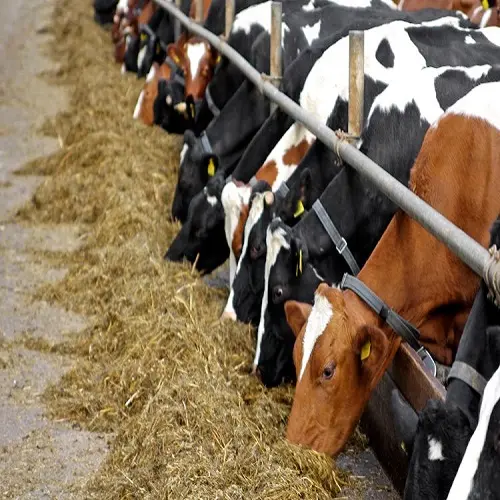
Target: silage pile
(156, 368)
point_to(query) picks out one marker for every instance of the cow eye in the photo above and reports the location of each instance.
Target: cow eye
(277, 294)
(328, 371)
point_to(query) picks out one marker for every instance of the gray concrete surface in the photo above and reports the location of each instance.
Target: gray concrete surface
(39, 458)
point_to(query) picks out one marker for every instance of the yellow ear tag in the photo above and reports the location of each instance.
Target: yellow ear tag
(403, 446)
(217, 61)
(365, 350)
(300, 209)
(298, 270)
(192, 116)
(211, 168)
(176, 59)
(143, 37)
(485, 4)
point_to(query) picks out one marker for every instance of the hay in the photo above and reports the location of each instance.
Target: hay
(156, 368)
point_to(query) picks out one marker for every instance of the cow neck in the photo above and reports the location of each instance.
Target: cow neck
(417, 285)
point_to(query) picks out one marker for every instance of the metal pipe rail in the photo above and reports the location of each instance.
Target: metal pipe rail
(485, 263)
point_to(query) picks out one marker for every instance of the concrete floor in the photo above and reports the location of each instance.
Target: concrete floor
(39, 458)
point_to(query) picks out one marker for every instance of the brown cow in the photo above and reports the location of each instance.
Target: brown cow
(197, 60)
(478, 11)
(342, 348)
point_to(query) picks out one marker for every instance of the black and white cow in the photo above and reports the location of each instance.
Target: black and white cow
(391, 52)
(398, 121)
(104, 11)
(154, 38)
(477, 476)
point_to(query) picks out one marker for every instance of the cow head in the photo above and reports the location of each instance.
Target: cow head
(338, 361)
(144, 109)
(170, 92)
(291, 208)
(197, 59)
(150, 50)
(132, 43)
(196, 168)
(436, 445)
(288, 276)
(248, 284)
(202, 238)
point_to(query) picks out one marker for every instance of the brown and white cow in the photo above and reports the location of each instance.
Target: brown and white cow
(478, 11)
(197, 60)
(342, 348)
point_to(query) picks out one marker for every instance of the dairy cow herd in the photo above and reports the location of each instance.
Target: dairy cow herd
(326, 267)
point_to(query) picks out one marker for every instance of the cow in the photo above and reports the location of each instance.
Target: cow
(144, 109)
(154, 38)
(104, 11)
(436, 440)
(393, 134)
(342, 346)
(192, 58)
(243, 303)
(132, 37)
(477, 476)
(478, 11)
(186, 236)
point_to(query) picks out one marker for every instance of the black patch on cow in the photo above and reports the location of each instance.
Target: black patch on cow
(432, 479)
(485, 484)
(384, 54)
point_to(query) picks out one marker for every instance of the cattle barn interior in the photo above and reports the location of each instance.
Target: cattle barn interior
(162, 167)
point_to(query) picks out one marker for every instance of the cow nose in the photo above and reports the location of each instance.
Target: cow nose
(228, 315)
(256, 251)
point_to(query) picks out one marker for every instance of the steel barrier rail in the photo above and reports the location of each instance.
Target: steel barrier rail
(485, 263)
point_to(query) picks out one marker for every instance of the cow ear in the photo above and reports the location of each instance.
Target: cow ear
(371, 346)
(467, 4)
(405, 421)
(296, 315)
(175, 54)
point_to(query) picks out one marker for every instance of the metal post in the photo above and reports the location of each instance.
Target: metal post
(177, 23)
(276, 53)
(229, 17)
(356, 82)
(199, 11)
